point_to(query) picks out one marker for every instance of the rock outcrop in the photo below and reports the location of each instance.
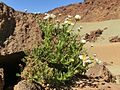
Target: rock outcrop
(19, 31)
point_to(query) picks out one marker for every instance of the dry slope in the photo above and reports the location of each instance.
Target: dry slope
(92, 10)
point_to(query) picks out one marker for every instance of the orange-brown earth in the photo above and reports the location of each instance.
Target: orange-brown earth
(92, 10)
(19, 31)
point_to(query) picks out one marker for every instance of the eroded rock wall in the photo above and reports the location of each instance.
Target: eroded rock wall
(19, 31)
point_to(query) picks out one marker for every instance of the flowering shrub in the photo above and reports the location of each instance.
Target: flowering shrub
(60, 56)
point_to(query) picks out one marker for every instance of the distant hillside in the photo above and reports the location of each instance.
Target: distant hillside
(92, 10)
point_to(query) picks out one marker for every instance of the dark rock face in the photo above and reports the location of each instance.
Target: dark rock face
(7, 22)
(11, 64)
(19, 31)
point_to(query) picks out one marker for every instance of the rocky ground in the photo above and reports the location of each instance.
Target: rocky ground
(19, 31)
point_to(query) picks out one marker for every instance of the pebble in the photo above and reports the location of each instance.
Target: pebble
(109, 87)
(103, 83)
(96, 83)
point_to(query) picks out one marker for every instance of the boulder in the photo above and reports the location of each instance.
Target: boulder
(99, 71)
(27, 85)
(92, 37)
(115, 71)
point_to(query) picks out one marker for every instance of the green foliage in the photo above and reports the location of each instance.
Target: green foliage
(56, 60)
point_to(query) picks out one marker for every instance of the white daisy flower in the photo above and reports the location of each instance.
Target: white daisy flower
(91, 45)
(46, 17)
(77, 17)
(59, 14)
(94, 54)
(98, 61)
(49, 16)
(88, 61)
(85, 59)
(83, 41)
(81, 57)
(52, 16)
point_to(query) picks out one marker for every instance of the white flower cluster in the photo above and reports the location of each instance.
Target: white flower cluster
(85, 59)
(83, 41)
(68, 20)
(77, 17)
(49, 16)
(98, 61)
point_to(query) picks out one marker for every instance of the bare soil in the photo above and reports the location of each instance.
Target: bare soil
(19, 31)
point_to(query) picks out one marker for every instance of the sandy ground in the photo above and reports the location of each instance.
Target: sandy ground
(104, 50)
(101, 87)
(109, 53)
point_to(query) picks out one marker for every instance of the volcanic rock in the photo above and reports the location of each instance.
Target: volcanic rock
(27, 85)
(19, 31)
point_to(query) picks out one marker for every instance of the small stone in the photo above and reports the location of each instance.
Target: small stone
(82, 85)
(74, 89)
(80, 82)
(103, 83)
(109, 87)
(27, 85)
(101, 80)
(86, 86)
(3, 53)
(46, 88)
(99, 71)
(96, 83)
(6, 42)
(54, 89)
(97, 86)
